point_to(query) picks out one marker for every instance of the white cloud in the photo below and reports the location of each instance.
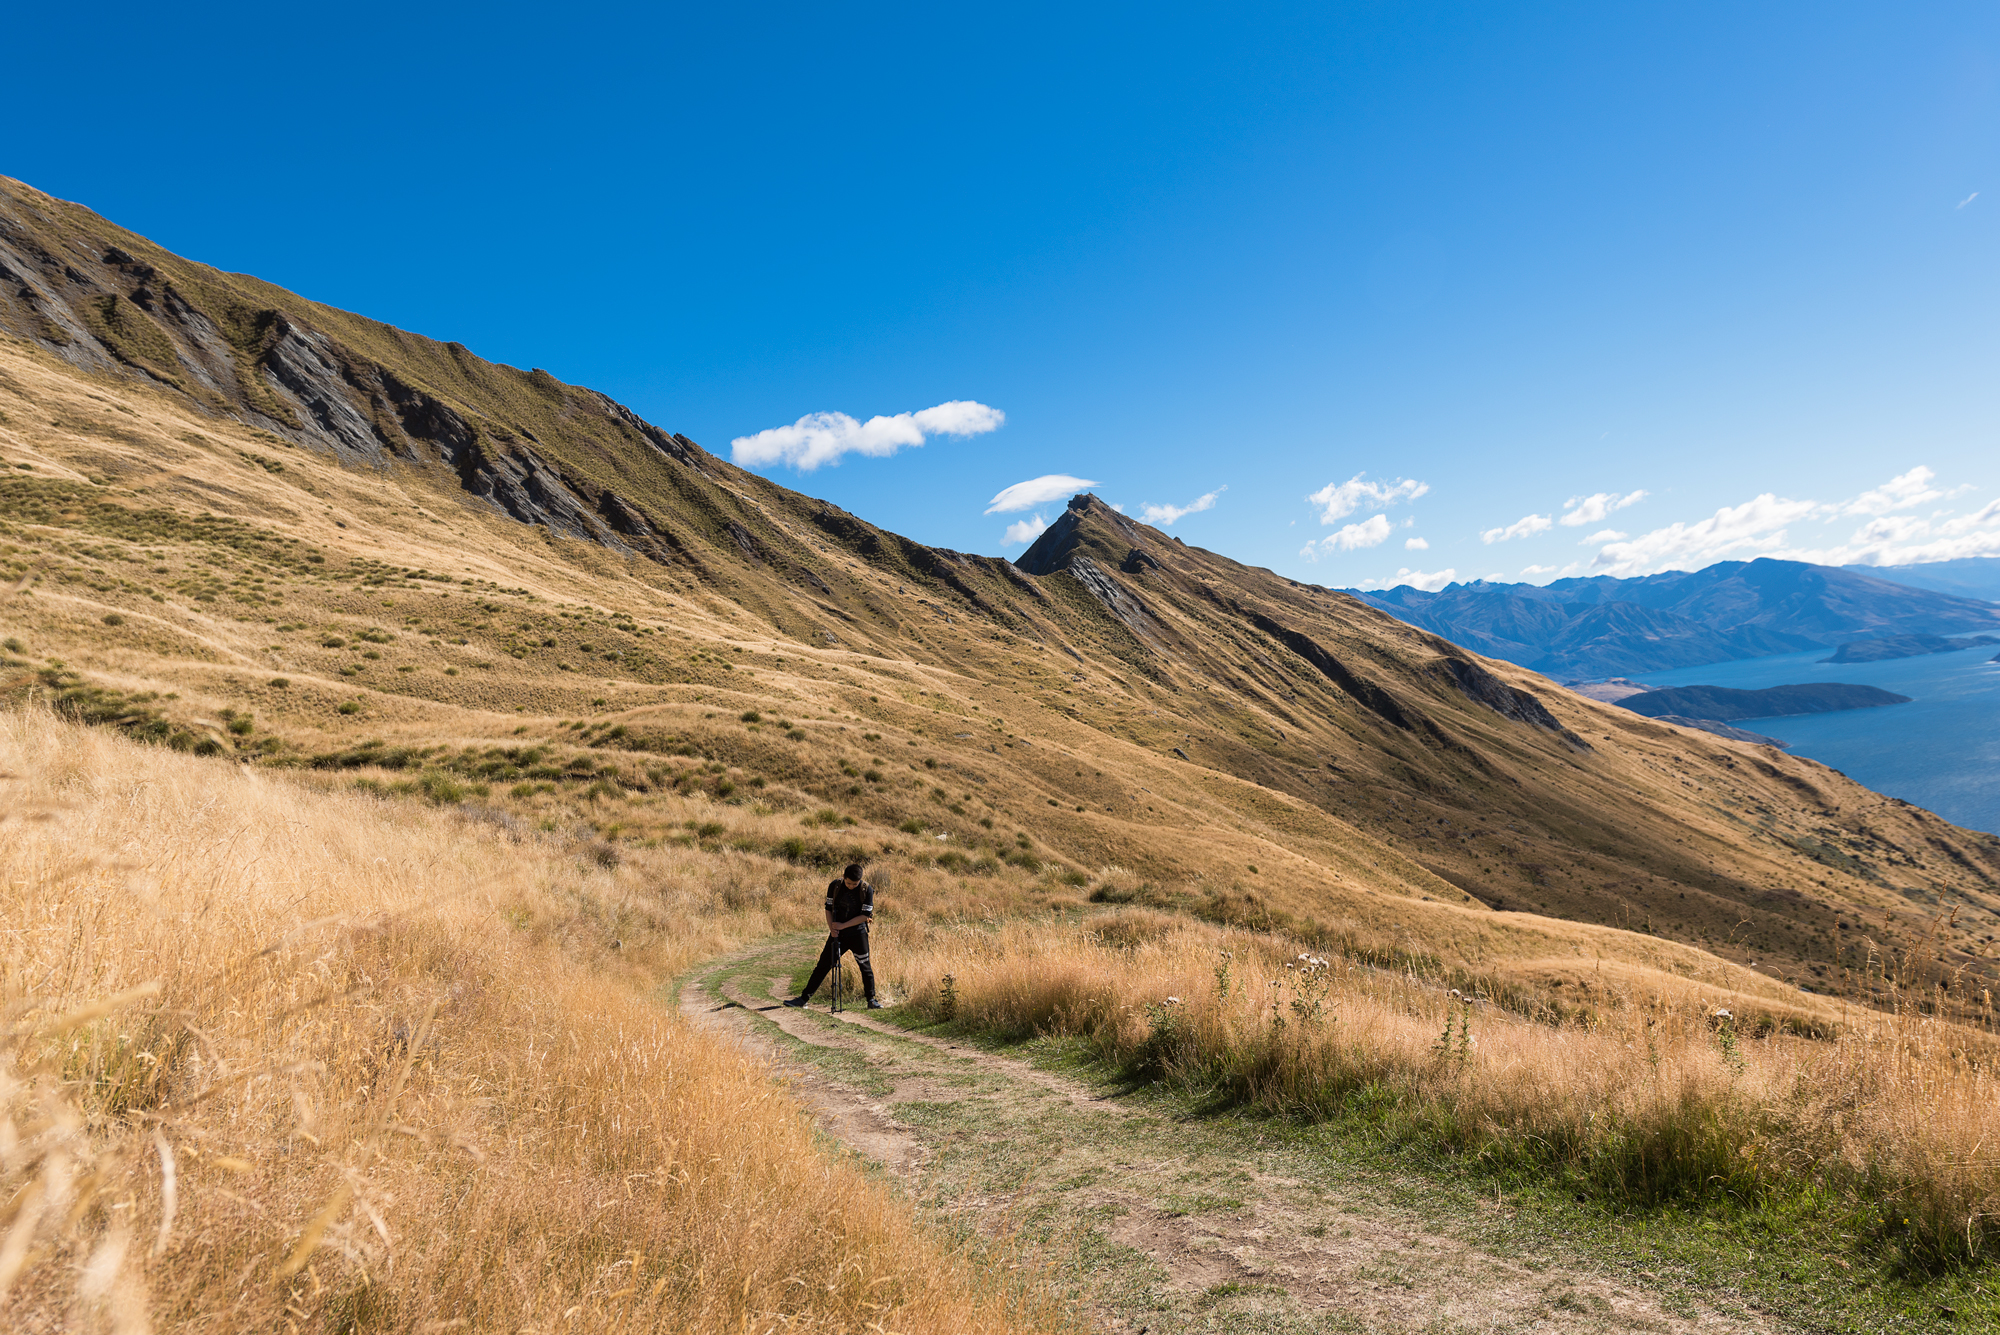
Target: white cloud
(1025, 530)
(1756, 527)
(1539, 570)
(1336, 502)
(1415, 545)
(1889, 529)
(1603, 535)
(822, 438)
(1525, 527)
(1580, 510)
(1037, 491)
(1967, 200)
(1763, 527)
(1898, 493)
(1370, 532)
(1987, 515)
(1430, 581)
(1164, 515)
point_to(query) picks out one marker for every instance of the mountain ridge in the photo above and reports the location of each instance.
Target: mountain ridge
(1140, 707)
(1965, 576)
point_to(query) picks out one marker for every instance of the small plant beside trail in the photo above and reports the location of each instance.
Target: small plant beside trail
(1725, 1041)
(1459, 1051)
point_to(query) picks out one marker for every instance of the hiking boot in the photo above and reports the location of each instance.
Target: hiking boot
(875, 1004)
(797, 1003)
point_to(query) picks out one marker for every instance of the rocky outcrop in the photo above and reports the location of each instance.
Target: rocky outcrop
(1511, 702)
(1138, 561)
(1051, 551)
(1128, 609)
(77, 286)
(303, 367)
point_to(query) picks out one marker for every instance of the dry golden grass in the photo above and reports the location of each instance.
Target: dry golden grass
(410, 1045)
(202, 555)
(1667, 1094)
(279, 1059)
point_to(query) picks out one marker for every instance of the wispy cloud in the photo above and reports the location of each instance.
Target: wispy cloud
(1532, 571)
(1415, 545)
(1580, 510)
(1898, 493)
(1338, 500)
(1430, 581)
(1162, 516)
(1023, 531)
(823, 438)
(1602, 535)
(1037, 491)
(1967, 200)
(1525, 527)
(1763, 526)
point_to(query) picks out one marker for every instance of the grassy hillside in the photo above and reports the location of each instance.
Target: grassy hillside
(1158, 687)
(187, 580)
(494, 617)
(275, 1057)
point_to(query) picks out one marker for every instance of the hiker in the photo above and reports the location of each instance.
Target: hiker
(850, 907)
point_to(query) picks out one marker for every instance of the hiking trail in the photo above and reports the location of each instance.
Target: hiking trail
(1167, 1223)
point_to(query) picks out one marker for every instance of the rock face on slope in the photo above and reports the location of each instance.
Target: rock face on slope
(523, 442)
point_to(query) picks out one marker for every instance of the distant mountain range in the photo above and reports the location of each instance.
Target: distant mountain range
(1967, 577)
(1601, 626)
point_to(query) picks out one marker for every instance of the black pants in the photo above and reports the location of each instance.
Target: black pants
(854, 940)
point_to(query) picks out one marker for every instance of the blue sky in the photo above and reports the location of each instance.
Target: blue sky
(1722, 278)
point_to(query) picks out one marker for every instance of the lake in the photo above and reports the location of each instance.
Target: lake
(1941, 751)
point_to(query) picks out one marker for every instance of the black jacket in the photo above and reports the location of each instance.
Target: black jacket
(844, 903)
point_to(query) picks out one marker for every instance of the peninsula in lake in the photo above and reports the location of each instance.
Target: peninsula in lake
(1904, 646)
(1726, 705)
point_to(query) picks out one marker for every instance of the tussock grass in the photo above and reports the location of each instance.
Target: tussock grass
(1885, 1129)
(275, 1058)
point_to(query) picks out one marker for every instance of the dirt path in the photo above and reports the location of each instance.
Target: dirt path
(1167, 1224)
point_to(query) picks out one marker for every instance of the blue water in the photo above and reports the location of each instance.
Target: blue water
(1941, 751)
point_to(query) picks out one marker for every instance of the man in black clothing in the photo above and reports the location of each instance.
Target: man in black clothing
(850, 907)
